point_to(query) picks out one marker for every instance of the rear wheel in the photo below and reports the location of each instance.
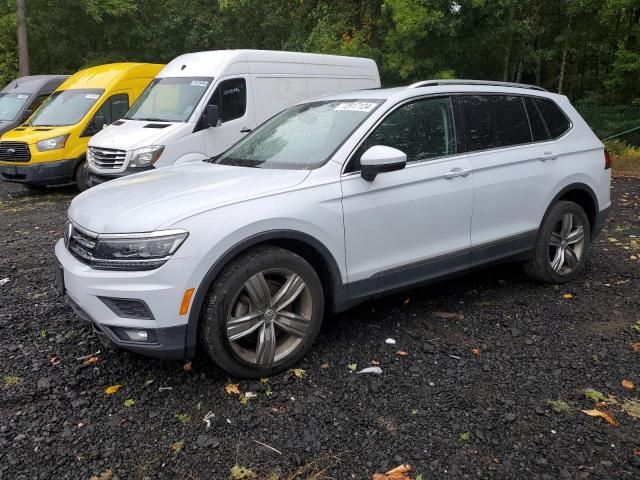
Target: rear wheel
(263, 313)
(562, 244)
(80, 176)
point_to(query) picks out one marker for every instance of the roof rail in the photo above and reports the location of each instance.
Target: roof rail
(488, 83)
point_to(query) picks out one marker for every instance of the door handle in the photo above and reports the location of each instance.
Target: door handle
(548, 156)
(457, 172)
(245, 130)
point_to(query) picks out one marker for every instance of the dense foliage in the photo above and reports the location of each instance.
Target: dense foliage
(584, 48)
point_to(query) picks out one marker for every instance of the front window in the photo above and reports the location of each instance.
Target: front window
(169, 99)
(11, 104)
(302, 137)
(66, 107)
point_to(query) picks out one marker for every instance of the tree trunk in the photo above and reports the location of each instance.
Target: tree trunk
(563, 67)
(23, 47)
(507, 48)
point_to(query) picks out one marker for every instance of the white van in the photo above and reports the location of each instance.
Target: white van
(202, 103)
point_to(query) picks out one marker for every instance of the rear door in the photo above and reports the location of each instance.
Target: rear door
(409, 225)
(237, 116)
(512, 173)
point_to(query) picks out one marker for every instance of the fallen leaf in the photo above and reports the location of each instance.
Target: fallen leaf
(90, 361)
(80, 424)
(264, 379)
(112, 389)
(374, 362)
(390, 341)
(54, 360)
(599, 413)
(298, 372)
(129, 402)
(325, 365)
(397, 473)
(406, 301)
(106, 475)
(567, 296)
(241, 473)
(352, 366)
(183, 417)
(232, 389)
(177, 446)
(635, 347)
(631, 408)
(402, 353)
(476, 352)
(448, 315)
(628, 384)
(187, 367)
(376, 370)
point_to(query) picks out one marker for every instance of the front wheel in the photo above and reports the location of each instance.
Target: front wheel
(81, 176)
(562, 244)
(263, 313)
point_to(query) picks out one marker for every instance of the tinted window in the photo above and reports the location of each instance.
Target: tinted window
(494, 121)
(556, 121)
(423, 129)
(538, 128)
(231, 98)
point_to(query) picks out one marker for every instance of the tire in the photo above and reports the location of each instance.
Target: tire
(34, 189)
(80, 176)
(556, 233)
(250, 287)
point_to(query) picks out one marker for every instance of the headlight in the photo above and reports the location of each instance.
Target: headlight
(54, 143)
(145, 156)
(136, 251)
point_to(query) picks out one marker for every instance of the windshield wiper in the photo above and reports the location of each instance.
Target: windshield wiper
(150, 120)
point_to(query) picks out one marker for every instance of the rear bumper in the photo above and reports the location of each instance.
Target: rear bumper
(601, 218)
(94, 178)
(44, 173)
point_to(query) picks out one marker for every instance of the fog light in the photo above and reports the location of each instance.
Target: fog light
(136, 335)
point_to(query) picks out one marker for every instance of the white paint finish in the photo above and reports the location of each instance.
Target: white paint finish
(381, 155)
(406, 216)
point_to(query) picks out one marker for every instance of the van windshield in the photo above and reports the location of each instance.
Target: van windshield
(11, 104)
(66, 107)
(302, 137)
(169, 99)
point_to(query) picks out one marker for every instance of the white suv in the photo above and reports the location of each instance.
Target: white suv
(327, 204)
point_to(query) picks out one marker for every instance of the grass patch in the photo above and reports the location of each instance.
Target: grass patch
(11, 380)
(594, 395)
(631, 408)
(626, 158)
(558, 406)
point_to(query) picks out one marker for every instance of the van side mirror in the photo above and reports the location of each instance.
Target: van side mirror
(98, 123)
(380, 159)
(211, 116)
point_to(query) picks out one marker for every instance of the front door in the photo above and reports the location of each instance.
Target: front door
(413, 224)
(237, 117)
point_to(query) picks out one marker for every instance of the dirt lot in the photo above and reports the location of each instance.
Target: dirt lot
(469, 400)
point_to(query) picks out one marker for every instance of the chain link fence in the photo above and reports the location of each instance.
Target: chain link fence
(613, 122)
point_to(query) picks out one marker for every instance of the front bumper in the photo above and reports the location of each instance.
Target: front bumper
(42, 173)
(161, 290)
(94, 178)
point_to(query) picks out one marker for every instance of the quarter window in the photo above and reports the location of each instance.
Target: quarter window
(538, 127)
(423, 129)
(494, 121)
(231, 98)
(556, 121)
(114, 108)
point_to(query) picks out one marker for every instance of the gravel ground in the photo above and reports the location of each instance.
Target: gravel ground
(469, 400)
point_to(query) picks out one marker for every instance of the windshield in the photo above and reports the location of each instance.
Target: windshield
(65, 107)
(169, 99)
(11, 104)
(300, 138)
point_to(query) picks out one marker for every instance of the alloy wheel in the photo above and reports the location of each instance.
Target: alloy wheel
(269, 316)
(566, 244)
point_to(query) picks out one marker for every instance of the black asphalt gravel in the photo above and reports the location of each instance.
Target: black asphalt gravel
(469, 400)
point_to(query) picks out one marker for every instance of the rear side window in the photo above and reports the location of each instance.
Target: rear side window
(422, 129)
(231, 98)
(494, 121)
(557, 122)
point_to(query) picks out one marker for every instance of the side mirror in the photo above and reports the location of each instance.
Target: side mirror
(98, 123)
(211, 116)
(380, 159)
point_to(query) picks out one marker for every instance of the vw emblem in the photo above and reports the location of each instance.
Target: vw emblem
(269, 315)
(11, 151)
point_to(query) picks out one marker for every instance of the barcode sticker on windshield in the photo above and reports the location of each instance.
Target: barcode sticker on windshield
(92, 96)
(357, 106)
(23, 96)
(199, 83)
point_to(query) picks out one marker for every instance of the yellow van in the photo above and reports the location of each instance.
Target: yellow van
(50, 147)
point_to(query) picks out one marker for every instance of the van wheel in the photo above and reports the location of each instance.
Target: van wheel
(80, 176)
(263, 313)
(562, 244)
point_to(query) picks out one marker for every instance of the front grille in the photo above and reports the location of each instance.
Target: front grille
(106, 158)
(14, 152)
(79, 243)
(128, 308)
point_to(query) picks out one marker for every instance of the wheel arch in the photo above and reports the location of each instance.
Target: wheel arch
(583, 195)
(308, 247)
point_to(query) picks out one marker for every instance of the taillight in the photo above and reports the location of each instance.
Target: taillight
(607, 160)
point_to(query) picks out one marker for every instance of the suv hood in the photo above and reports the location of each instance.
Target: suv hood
(132, 134)
(148, 201)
